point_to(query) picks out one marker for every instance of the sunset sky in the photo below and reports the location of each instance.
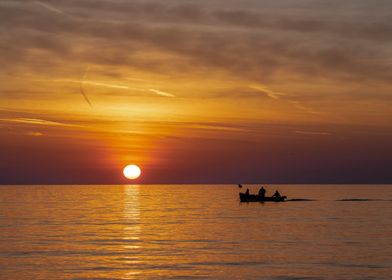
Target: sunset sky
(206, 91)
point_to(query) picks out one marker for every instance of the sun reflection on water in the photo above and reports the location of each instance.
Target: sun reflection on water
(132, 230)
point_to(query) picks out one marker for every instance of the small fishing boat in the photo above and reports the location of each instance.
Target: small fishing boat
(257, 198)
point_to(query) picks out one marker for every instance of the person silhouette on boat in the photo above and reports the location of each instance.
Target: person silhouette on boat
(262, 192)
(247, 192)
(277, 194)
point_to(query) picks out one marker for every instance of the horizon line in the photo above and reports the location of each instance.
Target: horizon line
(181, 184)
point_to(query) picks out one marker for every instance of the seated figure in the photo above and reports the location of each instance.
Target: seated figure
(276, 194)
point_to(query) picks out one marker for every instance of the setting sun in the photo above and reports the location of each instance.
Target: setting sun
(132, 171)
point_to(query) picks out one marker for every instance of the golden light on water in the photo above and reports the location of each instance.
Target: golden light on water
(132, 171)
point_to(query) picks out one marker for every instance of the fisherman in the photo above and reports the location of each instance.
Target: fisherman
(247, 192)
(276, 194)
(262, 192)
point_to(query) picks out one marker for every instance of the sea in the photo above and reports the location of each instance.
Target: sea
(195, 232)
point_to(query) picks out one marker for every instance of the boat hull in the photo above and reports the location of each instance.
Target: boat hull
(256, 198)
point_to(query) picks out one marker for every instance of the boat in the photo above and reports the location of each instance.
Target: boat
(257, 198)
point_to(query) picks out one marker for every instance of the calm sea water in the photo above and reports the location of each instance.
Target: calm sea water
(194, 232)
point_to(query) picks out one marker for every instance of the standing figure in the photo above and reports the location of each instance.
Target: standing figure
(262, 192)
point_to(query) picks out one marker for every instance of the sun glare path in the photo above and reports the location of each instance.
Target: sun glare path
(132, 171)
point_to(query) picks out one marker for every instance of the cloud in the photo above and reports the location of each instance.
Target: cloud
(302, 107)
(161, 93)
(88, 82)
(33, 121)
(268, 92)
(307, 44)
(102, 84)
(321, 133)
(274, 43)
(35, 133)
(50, 8)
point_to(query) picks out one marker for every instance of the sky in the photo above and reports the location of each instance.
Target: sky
(217, 91)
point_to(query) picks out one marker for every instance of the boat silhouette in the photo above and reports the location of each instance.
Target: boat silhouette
(257, 198)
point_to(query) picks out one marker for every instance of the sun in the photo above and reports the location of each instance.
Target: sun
(132, 171)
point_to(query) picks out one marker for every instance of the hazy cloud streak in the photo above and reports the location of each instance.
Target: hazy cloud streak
(51, 8)
(161, 93)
